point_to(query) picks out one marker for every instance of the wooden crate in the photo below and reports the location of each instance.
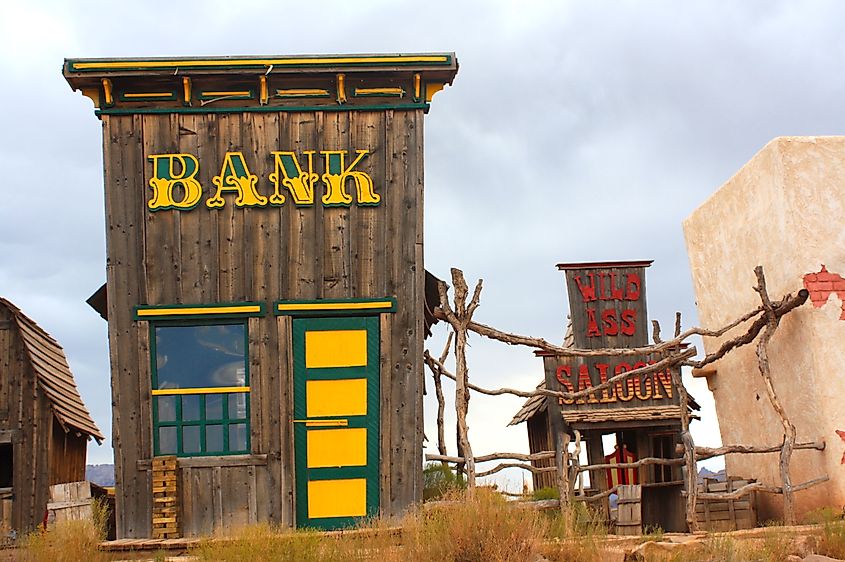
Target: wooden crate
(70, 502)
(165, 491)
(629, 520)
(726, 515)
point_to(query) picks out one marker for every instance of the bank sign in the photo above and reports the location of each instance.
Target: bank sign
(607, 303)
(175, 185)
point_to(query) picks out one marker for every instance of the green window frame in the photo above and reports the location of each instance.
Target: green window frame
(190, 421)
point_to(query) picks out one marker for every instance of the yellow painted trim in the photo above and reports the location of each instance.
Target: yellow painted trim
(335, 348)
(186, 90)
(196, 311)
(263, 96)
(431, 89)
(107, 91)
(417, 82)
(281, 307)
(203, 390)
(302, 92)
(234, 93)
(335, 397)
(235, 62)
(148, 95)
(337, 498)
(341, 88)
(337, 447)
(323, 423)
(388, 91)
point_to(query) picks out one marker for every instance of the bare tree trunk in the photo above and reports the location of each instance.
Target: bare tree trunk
(459, 319)
(789, 433)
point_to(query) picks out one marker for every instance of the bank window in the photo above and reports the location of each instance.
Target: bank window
(200, 388)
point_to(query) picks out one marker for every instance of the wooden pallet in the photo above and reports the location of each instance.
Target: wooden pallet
(726, 515)
(165, 490)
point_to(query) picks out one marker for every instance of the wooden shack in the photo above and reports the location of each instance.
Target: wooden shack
(265, 284)
(639, 418)
(44, 426)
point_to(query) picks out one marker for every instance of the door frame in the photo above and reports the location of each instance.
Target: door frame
(371, 472)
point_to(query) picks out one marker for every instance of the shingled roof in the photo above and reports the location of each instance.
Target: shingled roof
(54, 377)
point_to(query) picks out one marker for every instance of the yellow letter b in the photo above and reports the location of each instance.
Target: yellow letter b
(166, 178)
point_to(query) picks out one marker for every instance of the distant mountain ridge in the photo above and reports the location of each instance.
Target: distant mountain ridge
(102, 474)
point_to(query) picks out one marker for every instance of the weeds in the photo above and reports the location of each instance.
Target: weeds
(832, 541)
(67, 541)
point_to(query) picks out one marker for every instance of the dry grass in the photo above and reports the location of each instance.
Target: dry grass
(465, 528)
(68, 541)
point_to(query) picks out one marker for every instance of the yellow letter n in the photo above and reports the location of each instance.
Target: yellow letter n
(166, 178)
(234, 176)
(289, 174)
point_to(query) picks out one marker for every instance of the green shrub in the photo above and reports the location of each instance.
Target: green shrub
(439, 479)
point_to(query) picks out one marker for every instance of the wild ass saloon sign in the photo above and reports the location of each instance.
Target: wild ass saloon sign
(607, 303)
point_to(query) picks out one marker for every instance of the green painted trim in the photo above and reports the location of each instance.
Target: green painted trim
(371, 420)
(259, 63)
(122, 97)
(305, 311)
(259, 109)
(249, 96)
(198, 316)
(180, 424)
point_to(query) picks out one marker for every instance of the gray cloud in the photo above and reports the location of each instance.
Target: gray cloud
(574, 131)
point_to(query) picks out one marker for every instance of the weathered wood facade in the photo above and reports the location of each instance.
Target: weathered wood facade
(297, 213)
(608, 310)
(44, 426)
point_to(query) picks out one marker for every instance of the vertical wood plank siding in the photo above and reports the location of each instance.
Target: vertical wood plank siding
(263, 254)
(42, 452)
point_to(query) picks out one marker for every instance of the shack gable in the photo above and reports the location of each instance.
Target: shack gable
(50, 366)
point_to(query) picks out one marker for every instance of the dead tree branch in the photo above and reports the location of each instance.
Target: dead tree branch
(789, 433)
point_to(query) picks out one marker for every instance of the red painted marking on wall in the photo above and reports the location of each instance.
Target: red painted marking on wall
(821, 285)
(841, 435)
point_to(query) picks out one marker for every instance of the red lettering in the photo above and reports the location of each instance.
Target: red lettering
(611, 328)
(640, 381)
(665, 380)
(629, 322)
(607, 395)
(566, 383)
(621, 385)
(601, 286)
(632, 287)
(592, 325)
(615, 292)
(588, 292)
(584, 382)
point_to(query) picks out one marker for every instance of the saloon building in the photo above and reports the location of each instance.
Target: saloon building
(634, 419)
(265, 284)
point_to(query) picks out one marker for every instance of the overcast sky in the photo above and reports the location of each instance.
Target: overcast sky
(574, 131)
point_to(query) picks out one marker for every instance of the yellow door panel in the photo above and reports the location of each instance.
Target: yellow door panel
(337, 447)
(339, 397)
(337, 498)
(335, 348)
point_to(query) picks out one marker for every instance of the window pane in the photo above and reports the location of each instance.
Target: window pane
(167, 440)
(191, 407)
(166, 408)
(237, 406)
(237, 437)
(200, 356)
(191, 439)
(214, 406)
(214, 438)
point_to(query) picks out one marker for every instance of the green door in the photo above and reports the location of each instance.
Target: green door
(336, 420)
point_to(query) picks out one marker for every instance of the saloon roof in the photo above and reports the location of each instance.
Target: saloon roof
(49, 363)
